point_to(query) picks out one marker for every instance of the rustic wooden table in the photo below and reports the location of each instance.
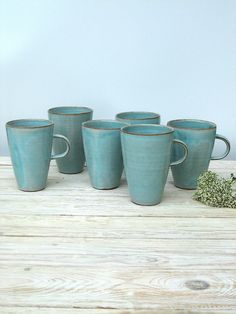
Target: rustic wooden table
(73, 249)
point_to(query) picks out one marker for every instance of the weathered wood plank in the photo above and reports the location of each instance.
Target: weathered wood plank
(47, 310)
(73, 195)
(128, 288)
(118, 227)
(107, 204)
(164, 254)
(128, 258)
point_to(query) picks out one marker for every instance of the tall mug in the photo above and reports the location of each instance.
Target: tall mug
(146, 152)
(103, 152)
(30, 144)
(200, 137)
(68, 122)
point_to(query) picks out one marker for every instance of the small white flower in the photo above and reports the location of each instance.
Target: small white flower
(215, 191)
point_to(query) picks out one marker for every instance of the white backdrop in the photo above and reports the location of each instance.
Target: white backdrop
(175, 57)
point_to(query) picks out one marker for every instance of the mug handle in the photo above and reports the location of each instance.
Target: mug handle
(56, 156)
(177, 162)
(224, 139)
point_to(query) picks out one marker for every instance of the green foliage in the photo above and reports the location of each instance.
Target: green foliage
(215, 191)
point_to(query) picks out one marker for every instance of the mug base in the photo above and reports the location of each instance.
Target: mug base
(71, 172)
(23, 190)
(184, 188)
(145, 204)
(112, 188)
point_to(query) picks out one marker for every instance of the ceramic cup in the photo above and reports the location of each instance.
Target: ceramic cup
(200, 136)
(30, 144)
(138, 117)
(147, 156)
(68, 122)
(103, 152)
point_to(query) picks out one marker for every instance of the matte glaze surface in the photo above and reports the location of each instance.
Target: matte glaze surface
(68, 122)
(200, 137)
(146, 153)
(30, 145)
(102, 147)
(139, 117)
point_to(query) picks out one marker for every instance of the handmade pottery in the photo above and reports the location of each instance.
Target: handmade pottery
(103, 152)
(138, 117)
(68, 121)
(200, 137)
(30, 144)
(147, 156)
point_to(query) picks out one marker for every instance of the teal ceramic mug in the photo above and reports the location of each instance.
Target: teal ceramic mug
(200, 137)
(147, 156)
(68, 122)
(139, 117)
(30, 145)
(102, 147)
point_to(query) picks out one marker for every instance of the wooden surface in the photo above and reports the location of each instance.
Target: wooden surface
(76, 250)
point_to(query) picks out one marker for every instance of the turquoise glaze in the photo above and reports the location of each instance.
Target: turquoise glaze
(147, 153)
(139, 117)
(103, 152)
(200, 137)
(68, 121)
(30, 144)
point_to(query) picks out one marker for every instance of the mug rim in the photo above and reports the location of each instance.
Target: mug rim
(155, 115)
(54, 111)
(12, 124)
(171, 130)
(86, 125)
(211, 124)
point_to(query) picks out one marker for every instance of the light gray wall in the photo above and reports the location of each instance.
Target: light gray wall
(175, 57)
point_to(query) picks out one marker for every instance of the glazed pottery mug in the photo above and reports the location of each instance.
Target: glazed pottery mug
(68, 122)
(138, 117)
(200, 137)
(30, 145)
(146, 152)
(102, 147)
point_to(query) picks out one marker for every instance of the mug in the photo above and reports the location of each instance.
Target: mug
(200, 137)
(30, 145)
(103, 152)
(138, 117)
(68, 122)
(146, 152)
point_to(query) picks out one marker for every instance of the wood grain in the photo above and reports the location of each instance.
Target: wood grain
(106, 205)
(72, 249)
(48, 310)
(127, 287)
(161, 253)
(117, 227)
(73, 195)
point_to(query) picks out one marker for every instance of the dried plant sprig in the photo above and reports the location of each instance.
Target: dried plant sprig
(214, 190)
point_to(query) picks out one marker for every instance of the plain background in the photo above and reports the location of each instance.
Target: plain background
(174, 57)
